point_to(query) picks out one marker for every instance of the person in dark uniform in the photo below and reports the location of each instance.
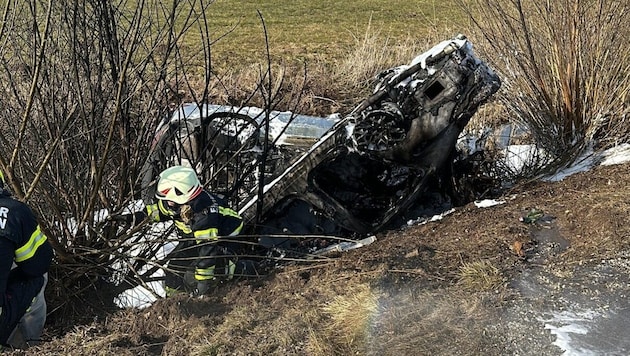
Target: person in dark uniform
(202, 218)
(25, 257)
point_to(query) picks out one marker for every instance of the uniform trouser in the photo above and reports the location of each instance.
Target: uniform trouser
(225, 263)
(24, 296)
(29, 330)
(215, 255)
(179, 263)
(185, 257)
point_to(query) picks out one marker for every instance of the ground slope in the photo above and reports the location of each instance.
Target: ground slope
(490, 281)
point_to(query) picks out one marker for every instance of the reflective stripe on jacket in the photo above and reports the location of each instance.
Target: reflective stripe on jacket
(29, 249)
(206, 217)
(22, 243)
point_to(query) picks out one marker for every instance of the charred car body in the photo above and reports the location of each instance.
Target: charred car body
(365, 170)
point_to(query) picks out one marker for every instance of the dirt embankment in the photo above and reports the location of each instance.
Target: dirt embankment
(480, 281)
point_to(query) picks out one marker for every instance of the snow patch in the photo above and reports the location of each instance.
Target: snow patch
(616, 155)
(566, 325)
(517, 157)
(488, 203)
(423, 220)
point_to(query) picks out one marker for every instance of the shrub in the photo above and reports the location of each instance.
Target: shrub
(564, 70)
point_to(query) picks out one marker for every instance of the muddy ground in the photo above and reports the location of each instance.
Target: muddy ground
(545, 272)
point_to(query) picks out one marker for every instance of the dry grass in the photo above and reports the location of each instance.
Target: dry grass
(406, 294)
(593, 226)
(480, 276)
(372, 52)
(319, 88)
(311, 32)
(416, 321)
(307, 90)
(350, 317)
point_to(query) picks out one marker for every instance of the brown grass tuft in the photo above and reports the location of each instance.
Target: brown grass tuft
(480, 276)
(350, 315)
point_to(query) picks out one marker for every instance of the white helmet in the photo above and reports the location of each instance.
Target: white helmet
(178, 184)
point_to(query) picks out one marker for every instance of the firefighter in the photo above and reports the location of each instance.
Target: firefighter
(202, 218)
(25, 257)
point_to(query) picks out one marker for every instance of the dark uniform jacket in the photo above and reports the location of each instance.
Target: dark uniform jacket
(21, 243)
(206, 218)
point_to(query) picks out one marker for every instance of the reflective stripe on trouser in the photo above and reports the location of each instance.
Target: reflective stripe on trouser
(205, 274)
(229, 269)
(29, 330)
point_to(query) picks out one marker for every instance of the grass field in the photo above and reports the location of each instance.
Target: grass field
(320, 30)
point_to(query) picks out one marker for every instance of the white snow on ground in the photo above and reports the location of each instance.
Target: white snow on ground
(567, 326)
(615, 155)
(423, 220)
(592, 329)
(486, 203)
(585, 162)
(516, 157)
(597, 324)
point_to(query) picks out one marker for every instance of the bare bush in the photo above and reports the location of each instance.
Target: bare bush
(565, 74)
(84, 84)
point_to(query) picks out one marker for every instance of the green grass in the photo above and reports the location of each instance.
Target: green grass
(319, 30)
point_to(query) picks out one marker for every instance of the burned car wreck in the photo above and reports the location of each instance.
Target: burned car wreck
(363, 171)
